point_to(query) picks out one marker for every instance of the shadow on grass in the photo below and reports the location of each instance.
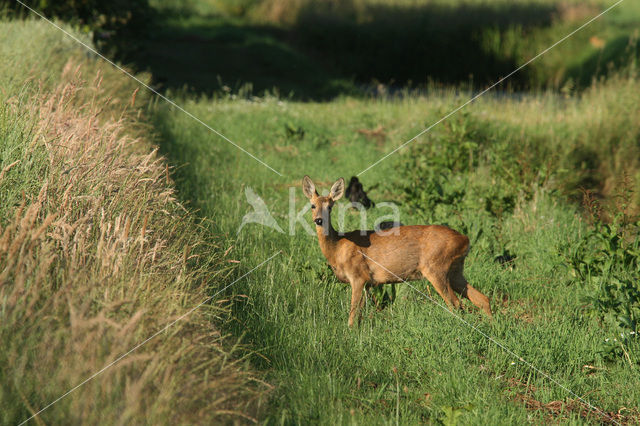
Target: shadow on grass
(404, 45)
(330, 51)
(326, 54)
(218, 56)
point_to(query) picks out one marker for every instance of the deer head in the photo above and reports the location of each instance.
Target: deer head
(321, 206)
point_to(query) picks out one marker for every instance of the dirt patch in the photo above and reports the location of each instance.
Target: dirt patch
(521, 309)
(378, 135)
(554, 411)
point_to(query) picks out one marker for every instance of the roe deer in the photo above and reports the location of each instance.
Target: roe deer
(355, 193)
(362, 258)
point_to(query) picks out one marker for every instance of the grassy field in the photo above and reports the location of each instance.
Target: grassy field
(548, 177)
(510, 169)
(507, 172)
(318, 50)
(96, 255)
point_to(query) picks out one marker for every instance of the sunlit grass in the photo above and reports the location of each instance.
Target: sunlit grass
(97, 255)
(295, 315)
(100, 209)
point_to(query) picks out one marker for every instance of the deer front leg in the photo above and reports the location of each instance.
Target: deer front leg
(356, 300)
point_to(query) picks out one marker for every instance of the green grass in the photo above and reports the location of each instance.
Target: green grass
(211, 54)
(97, 256)
(294, 313)
(507, 172)
(319, 50)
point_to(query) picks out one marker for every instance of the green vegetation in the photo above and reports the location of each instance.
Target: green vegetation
(318, 49)
(296, 83)
(113, 24)
(607, 262)
(504, 172)
(96, 255)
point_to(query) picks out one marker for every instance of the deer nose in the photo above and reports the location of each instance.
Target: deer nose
(318, 221)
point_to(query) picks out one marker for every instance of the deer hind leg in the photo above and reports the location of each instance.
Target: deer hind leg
(462, 287)
(356, 301)
(441, 284)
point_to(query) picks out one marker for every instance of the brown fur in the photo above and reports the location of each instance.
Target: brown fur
(434, 252)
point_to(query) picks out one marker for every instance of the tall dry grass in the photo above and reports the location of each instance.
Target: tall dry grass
(96, 256)
(289, 11)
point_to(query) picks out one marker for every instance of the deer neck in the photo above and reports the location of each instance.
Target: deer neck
(328, 240)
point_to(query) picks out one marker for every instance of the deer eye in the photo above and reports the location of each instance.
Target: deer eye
(313, 206)
(330, 207)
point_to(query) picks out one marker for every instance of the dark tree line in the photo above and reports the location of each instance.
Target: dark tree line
(110, 21)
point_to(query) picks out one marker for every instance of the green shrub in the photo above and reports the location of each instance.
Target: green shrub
(466, 168)
(111, 21)
(606, 263)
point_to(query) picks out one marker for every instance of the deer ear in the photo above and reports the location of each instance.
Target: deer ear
(337, 190)
(308, 187)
